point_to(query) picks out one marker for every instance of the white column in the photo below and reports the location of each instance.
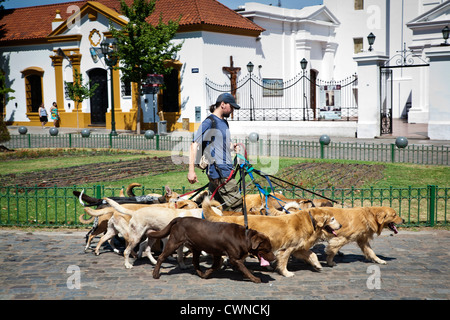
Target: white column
(439, 86)
(329, 51)
(369, 93)
(420, 103)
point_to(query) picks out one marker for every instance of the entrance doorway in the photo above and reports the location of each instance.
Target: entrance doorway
(99, 101)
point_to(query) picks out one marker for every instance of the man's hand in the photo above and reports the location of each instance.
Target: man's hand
(192, 177)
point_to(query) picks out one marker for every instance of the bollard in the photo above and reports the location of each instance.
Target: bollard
(324, 141)
(149, 134)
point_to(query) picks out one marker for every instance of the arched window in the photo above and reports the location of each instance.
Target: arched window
(33, 87)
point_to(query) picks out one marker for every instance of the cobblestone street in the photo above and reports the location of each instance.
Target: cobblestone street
(52, 265)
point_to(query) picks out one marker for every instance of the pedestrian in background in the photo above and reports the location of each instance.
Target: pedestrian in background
(43, 116)
(54, 114)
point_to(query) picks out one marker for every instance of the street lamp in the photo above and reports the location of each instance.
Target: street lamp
(371, 38)
(250, 66)
(304, 64)
(110, 53)
(445, 35)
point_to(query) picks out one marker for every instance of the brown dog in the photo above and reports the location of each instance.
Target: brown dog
(359, 225)
(216, 239)
(293, 233)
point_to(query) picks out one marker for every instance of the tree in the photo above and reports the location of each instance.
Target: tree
(5, 96)
(77, 91)
(143, 48)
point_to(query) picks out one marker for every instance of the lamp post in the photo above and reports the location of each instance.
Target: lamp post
(110, 55)
(303, 64)
(371, 39)
(250, 70)
(445, 35)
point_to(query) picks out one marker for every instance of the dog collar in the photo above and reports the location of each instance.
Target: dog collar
(312, 220)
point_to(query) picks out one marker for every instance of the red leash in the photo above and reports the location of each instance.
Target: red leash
(231, 173)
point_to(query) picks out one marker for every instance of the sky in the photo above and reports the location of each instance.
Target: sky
(232, 4)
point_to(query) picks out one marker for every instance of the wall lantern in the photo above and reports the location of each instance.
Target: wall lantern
(371, 39)
(445, 35)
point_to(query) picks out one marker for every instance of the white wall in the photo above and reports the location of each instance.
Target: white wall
(20, 59)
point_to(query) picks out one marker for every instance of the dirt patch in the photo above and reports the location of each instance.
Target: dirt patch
(106, 171)
(328, 175)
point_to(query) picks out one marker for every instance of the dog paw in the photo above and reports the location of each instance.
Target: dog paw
(183, 266)
(288, 274)
(128, 265)
(331, 264)
(255, 280)
(379, 261)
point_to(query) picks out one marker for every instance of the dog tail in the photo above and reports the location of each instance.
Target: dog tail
(98, 212)
(85, 198)
(164, 232)
(118, 207)
(208, 211)
(130, 188)
(84, 221)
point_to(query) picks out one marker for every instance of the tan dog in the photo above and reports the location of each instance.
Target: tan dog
(293, 233)
(152, 217)
(256, 204)
(170, 198)
(359, 225)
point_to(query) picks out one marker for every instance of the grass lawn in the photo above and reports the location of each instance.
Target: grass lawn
(57, 206)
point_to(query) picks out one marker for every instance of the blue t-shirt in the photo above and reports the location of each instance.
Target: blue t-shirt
(218, 145)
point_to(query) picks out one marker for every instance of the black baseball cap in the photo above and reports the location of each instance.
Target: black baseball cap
(228, 98)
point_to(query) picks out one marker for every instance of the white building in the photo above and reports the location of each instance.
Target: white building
(331, 37)
(404, 29)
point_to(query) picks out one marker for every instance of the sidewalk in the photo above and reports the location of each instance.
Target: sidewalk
(52, 265)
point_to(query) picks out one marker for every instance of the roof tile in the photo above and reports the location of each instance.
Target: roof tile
(36, 22)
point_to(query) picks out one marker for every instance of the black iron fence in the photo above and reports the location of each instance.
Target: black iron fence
(303, 97)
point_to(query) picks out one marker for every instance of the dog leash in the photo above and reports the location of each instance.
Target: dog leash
(266, 193)
(197, 191)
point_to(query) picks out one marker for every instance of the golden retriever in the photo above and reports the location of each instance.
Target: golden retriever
(293, 233)
(359, 225)
(256, 204)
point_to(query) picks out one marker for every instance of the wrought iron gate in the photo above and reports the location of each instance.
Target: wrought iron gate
(301, 98)
(386, 101)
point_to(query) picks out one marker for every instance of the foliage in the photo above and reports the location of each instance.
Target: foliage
(77, 91)
(4, 91)
(142, 47)
(4, 133)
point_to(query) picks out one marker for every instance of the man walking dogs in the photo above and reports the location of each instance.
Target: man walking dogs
(213, 140)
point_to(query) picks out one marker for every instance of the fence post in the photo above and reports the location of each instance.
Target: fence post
(432, 204)
(392, 152)
(157, 142)
(29, 141)
(70, 140)
(98, 191)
